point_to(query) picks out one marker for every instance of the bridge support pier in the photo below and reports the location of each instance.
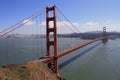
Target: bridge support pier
(105, 39)
(51, 18)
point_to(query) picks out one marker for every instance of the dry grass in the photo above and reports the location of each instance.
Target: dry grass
(30, 71)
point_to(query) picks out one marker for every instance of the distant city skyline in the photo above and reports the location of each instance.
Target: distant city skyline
(87, 15)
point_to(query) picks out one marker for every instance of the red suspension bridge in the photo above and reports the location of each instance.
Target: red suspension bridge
(37, 37)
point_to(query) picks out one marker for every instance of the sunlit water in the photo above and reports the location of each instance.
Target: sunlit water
(97, 61)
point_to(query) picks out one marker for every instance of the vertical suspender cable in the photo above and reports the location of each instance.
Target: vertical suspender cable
(68, 20)
(37, 38)
(6, 50)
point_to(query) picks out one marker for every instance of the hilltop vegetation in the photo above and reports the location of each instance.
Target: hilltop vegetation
(29, 71)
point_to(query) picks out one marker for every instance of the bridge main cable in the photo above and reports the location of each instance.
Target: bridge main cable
(68, 19)
(12, 28)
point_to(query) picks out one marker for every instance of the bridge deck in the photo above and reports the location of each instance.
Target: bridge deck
(68, 51)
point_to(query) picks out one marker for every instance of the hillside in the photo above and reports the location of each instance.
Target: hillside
(91, 35)
(85, 35)
(30, 71)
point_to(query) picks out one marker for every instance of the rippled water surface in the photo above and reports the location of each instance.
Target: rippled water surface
(97, 61)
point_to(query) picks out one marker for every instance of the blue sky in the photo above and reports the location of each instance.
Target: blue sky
(89, 14)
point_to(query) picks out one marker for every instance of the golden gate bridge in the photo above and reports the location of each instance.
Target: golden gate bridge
(38, 36)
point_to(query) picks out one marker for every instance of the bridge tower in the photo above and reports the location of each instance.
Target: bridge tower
(51, 19)
(104, 35)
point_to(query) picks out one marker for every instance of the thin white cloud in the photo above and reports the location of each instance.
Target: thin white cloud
(90, 23)
(111, 27)
(28, 22)
(87, 26)
(43, 24)
(95, 26)
(64, 23)
(90, 26)
(61, 24)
